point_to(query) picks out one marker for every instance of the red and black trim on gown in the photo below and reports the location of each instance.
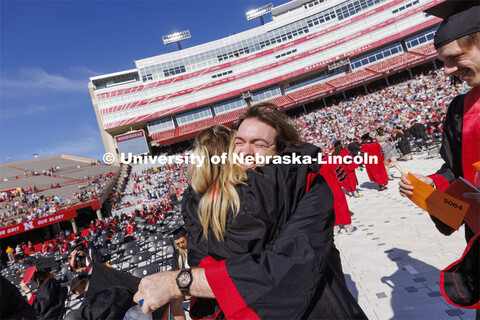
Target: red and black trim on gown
(335, 174)
(350, 183)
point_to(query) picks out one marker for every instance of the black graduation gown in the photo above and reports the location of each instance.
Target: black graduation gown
(418, 131)
(403, 143)
(278, 260)
(50, 300)
(451, 152)
(460, 280)
(12, 304)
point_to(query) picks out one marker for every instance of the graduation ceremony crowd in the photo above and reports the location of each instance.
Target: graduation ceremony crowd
(25, 204)
(255, 241)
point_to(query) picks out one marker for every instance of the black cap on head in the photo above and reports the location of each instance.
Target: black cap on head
(79, 246)
(366, 136)
(45, 264)
(180, 232)
(337, 143)
(461, 18)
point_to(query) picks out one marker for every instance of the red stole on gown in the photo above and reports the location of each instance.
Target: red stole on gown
(471, 133)
(376, 172)
(340, 205)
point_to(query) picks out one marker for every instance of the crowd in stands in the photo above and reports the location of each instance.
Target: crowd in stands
(151, 186)
(422, 99)
(21, 205)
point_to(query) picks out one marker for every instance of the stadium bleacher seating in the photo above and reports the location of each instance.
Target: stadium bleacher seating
(229, 117)
(280, 101)
(425, 50)
(72, 180)
(194, 126)
(394, 62)
(310, 91)
(163, 135)
(350, 78)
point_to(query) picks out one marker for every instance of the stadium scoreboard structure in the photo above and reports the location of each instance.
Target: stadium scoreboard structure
(133, 142)
(310, 50)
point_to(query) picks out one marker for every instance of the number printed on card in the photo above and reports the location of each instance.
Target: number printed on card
(453, 204)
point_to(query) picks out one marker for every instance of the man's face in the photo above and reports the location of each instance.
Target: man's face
(181, 243)
(461, 62)
(255, 137)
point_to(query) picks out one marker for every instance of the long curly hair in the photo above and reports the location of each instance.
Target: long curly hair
(216, 181)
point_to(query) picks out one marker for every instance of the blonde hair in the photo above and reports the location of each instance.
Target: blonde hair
(216, 181)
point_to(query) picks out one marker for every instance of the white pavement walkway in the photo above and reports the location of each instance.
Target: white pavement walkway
(392, 261)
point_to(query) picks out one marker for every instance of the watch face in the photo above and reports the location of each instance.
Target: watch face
(184, 279)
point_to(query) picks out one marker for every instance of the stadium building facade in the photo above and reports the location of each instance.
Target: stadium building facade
(310, 50)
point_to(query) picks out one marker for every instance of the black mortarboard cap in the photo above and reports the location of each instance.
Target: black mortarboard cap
(366, 136)
(178, 233)
(45, 264)
(79, 246)
(461, 18)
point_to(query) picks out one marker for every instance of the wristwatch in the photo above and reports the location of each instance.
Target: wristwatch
(184, 279)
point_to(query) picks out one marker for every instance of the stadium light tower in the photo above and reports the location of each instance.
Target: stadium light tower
(259, 12)
(176, 37)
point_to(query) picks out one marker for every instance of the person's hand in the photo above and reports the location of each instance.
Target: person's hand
(405, 186)
(157, 290)
(79, 270)
(24, 286)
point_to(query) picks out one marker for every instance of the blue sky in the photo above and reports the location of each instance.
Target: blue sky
(49, 49)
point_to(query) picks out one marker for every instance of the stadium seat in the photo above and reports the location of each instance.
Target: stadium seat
(139, 258)
(146, 270)
(128, 245)
(132, 251)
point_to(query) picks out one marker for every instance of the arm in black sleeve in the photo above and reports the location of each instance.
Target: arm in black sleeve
(451, 153)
